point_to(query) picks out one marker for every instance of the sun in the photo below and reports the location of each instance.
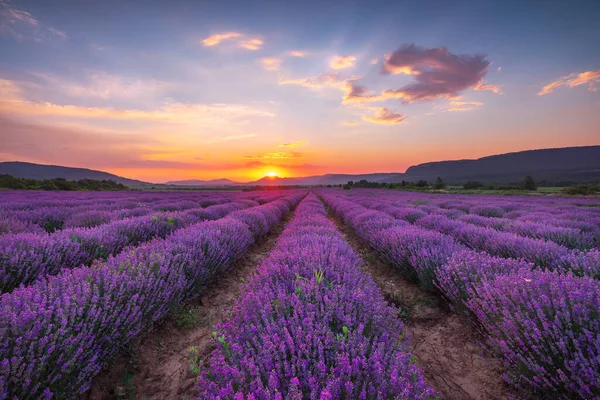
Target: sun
(271, 173)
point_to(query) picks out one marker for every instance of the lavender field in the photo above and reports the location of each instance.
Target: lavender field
(84, 276)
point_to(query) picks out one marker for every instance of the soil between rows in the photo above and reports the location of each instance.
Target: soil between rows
(447, 348)
(158, 366)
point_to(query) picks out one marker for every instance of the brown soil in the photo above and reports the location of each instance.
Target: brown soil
(447, 348)
(158, 367)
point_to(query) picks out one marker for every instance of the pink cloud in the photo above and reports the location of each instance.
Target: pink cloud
(342, 62)
(385, 116)
(437, 72)
(217, 38)
(271, 63)
(591, 78)
(242, 40)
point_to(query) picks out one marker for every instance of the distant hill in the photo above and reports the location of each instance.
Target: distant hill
(39, 171)
(199, 182)
(569, 164)
(328, 179)
(576, 164)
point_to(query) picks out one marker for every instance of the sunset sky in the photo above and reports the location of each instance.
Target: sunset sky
(160, 91)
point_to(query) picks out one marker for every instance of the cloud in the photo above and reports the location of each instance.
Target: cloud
(19, 24)
(374, 61)
(241, 39)
(217, 38)
(293, 145)
(499, 69)
(105, 86)
(491, 88)
(349, 123)
(271, 63)
(278, 155)
(328, 80)
(297, 53)
(459, 105)
(251, 44)
(591, 78)
(358, 94)
(437, 72)
(233, 137)
(385, 116)
(341, 62)
(259, 164)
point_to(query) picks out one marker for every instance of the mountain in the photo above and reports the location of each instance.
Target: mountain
(39, 171)
(328, 179)
(566, 165)
(576, 164)
(199, 182)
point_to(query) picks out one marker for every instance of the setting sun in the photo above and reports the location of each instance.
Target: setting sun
(271, 173)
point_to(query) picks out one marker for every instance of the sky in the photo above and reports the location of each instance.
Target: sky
(175, 90)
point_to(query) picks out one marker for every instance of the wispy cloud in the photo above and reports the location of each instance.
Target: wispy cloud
(384, 116)
(12, 103)
(217, 38)
(342, 62)
(20, 23)
(251, 44)
(349, 123)
(278, 155)
(232, 137)
(297, 53)
(491, 88)
(241, 39)
(271, 63)
(359, 94)
(99, 84)
(591, 78)
(437, 72)
(459, 105)
(328, 80)
(294, 144)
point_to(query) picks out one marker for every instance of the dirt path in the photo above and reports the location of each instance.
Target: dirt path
(446, 347)
(158, 367)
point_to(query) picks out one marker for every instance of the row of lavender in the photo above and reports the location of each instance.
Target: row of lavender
(26, 256)
(542, 252)
(545, 324)
(310, 325)
(572, 223)
(22, 213)
(56, 334)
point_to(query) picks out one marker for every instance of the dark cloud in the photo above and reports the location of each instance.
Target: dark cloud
(437, 72)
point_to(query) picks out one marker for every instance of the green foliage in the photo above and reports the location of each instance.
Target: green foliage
(529, 183)
(472, 185)
(194, 360)
(10, 182)
(188, 317)
(585, 189)
(439, 183)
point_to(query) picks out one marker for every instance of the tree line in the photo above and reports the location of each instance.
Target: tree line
(11, 182)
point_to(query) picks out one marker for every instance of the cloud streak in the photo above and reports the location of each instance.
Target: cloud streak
(437, 73)
(242, 40)
(278, 155)
(590, 78)
(20, 23)
(293, 145)
(384, 116)
(342, 62)
(271, 63)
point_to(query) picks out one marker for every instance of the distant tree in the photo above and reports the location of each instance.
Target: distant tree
(422, 183)
(472, 185)
(350, 183)
(347, 186)
(529, 183)
(439, 183)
